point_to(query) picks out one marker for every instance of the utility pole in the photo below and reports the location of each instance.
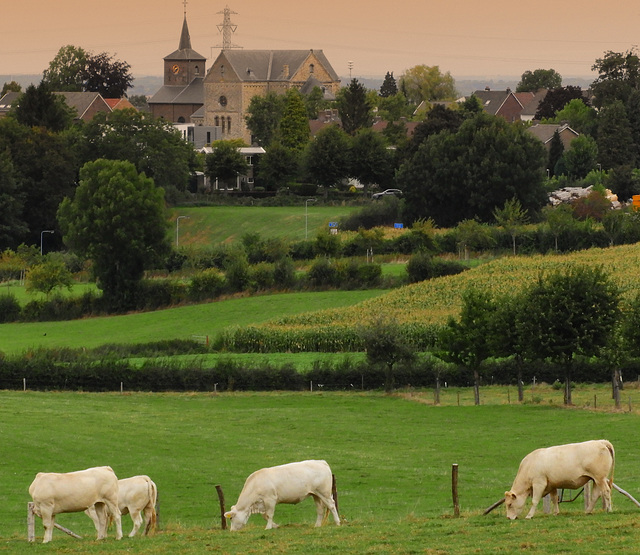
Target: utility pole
(227, 29)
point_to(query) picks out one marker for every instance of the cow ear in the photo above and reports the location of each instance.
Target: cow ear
(508, 495)
(229, 514)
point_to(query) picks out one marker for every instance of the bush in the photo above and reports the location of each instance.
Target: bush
(322, 273)
(262, 276)
(375, 214)
(9, 308)
(207, 284)
(153, 294)
(284, 273)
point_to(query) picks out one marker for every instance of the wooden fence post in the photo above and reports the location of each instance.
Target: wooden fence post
(31, 523)
(587, 494)
(454, 489)
(546, 504)
(223, 519)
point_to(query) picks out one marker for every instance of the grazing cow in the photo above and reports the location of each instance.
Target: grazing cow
(55, 493)
(137, 494)
(570, 466)
(287, 483)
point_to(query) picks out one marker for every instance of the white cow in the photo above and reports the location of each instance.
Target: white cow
(287, 483)
(570, 466)
(72, 492)
(137, 494)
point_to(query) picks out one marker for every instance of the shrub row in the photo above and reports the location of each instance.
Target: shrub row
(84, 373)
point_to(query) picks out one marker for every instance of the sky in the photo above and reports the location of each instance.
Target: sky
(361, 38)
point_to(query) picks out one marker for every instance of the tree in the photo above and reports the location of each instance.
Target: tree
(11, 86)
(556, 150)
(471, 234)
(618, 77)
(559, 219)
(389, 86)
(556, 99)
(263, 117)
(438, 119)
(385, 345)
(68, 70)
(278, 166)
(294, 130)
(111, 78)
(117, 219)
(139, 101)
(512, 217)
(226, 162)
(39, 107)
(12, 228)
(582, 157)
(152, 144)
(47, 276)
(532, 81)
(466, 174)
(615, 141)
(427, 83)
(371, 162)
(314, 102)
(579, 116)
(354, 108)
(393, 108)
(570, 313)
(326, 158)
(464, 341)
(624, 181)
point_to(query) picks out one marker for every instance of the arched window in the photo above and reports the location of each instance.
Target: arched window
(229, 123)
(311, 68)
(223, 121)
(181, 120)
(217, 121)
(197, 70)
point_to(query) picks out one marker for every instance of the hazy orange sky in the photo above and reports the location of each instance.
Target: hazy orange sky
(468, 38)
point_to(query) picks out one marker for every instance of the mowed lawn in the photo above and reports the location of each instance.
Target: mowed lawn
(181, 323)
(210, 225)
(392, 459)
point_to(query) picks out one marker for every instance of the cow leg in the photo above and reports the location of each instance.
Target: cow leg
(269, 510)
(48, 520)
(101, 520)
(150, 517)
(600, 487)
(136, 516)
(114, 511)
(320, 510)
(537, 493)
(329, 504)
(554, 501)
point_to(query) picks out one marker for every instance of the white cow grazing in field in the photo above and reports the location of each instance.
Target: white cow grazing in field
(570, 466)
(137, 495)
(72, 492)
(287, 483)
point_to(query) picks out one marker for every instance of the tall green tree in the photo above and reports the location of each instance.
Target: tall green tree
(571, 313)
(615, 140)
(107, 76)
(464, 175)
(152, 144)
(556, 99)
(326, 158)
(556, 150)
(389, 86)
(48, 276)
(12, 227)
(225, 163)
(68, 70)
(117, 219)
(371, 161)
(582, 157)
(427, 83)
(618, 77)
(531, 81)
(39, 107)
(294, 130)
(579, 116)
(354, 107)
(11, 86)
(263, 117)
(559, 220)
(278, 166)
(512, 218)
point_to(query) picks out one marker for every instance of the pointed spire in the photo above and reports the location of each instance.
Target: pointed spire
(185, 38)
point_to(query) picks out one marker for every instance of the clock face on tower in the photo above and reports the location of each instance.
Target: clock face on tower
(175, 68)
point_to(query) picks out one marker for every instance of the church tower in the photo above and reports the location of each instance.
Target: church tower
(185, 64)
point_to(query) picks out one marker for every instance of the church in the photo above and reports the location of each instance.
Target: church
(220, 97)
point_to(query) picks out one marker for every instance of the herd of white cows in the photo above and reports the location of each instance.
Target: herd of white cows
(103, 497)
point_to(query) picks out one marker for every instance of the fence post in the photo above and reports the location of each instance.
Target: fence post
(31, 523)
(223, 519)
(334, 491)
(587, 494)
(546, 504)
(454, 489)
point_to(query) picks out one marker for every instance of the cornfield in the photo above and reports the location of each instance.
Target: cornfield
(422, 308)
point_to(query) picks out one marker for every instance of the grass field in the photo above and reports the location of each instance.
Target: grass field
(182, 322)
(210, 225)
(391, 455)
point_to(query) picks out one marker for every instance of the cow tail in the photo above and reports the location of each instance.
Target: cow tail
(613, 463)
(152, 517)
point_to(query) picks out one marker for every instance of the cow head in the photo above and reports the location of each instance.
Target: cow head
(238, 518)
(514, 504)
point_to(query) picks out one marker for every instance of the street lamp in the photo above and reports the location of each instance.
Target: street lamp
(178, 227)
(306, 216)
(41, 234)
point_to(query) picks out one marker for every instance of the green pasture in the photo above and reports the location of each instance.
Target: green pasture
(210, 225)
(181, 322)
(392, 457)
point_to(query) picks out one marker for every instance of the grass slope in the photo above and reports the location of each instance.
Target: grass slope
(391, 456)
(225, 224)
(182, 322)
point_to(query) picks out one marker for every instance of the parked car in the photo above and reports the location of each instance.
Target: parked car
(387, 192)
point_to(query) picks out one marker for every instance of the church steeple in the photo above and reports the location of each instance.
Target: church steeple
(182, 66)
(185, 38)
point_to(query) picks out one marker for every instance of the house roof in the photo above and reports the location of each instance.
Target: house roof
(269, 65)
(492, 101)
(544, 131)
(82, 101)
(6, 102)
(531, 107)
(118, 103)
(185, 52)
(193, 93)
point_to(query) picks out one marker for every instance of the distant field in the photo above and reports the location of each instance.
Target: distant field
(210, 225)
(182, 322)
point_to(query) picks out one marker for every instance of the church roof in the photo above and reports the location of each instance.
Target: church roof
(185, 52)
(193, 93)
(269, 65)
